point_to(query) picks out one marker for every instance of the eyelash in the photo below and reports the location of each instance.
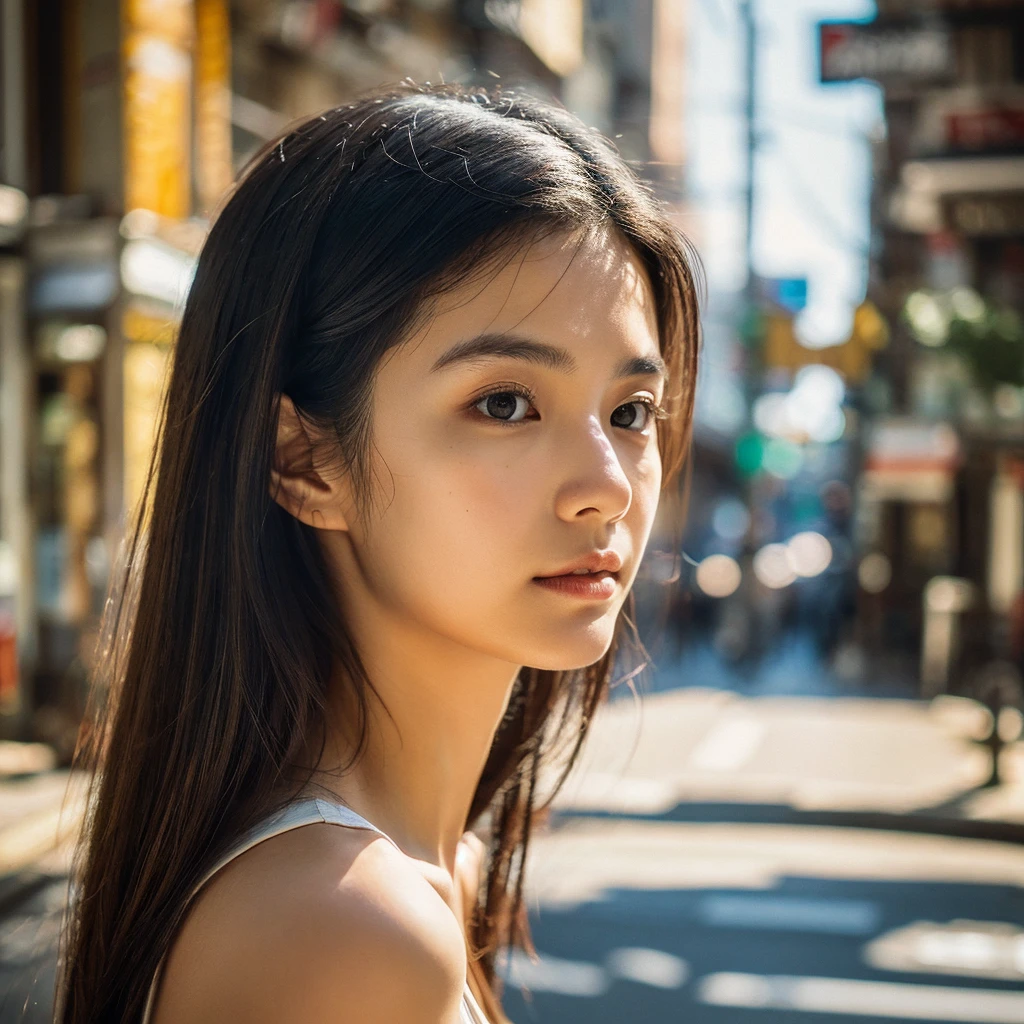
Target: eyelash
(654, 410)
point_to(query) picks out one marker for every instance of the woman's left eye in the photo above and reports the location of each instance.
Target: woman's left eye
(633, 415)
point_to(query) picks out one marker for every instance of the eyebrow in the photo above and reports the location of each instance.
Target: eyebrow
(643, 366)
(515, 346)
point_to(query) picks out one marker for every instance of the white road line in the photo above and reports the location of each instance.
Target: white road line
(581, 978)
(553, 974)
(866, 998)
(728, 747)
(652, 967)
(978, 949)
(791, 913)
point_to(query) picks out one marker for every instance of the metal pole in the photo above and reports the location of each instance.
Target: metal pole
(746, 13)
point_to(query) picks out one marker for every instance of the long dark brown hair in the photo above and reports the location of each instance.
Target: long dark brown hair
(224, 630)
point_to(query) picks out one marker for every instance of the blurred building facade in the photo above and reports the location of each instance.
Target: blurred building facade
(942, 511)
(123, 123)
(894, 450)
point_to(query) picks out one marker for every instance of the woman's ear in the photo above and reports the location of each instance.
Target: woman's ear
(295, 483)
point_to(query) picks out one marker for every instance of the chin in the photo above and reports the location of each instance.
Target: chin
(571, 652)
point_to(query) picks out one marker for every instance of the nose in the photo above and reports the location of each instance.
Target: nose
(595, 483)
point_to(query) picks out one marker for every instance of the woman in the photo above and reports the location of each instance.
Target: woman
(435, 368)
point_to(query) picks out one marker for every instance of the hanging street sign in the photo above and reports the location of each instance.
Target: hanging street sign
(885, 52)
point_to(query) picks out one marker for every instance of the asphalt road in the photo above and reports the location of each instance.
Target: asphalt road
(29, 930)
(668, 956)
(804, 947)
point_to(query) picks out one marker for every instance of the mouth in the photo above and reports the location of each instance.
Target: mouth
(594, 586)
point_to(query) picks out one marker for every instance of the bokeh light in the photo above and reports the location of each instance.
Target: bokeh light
(874, 572)
(719, 575)
(731, 519)
(810, 554)
(772, 567)
(782, 459)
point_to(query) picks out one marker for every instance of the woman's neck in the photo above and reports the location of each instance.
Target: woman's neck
(424, 754)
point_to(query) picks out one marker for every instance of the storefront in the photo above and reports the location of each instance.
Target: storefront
(72, 447)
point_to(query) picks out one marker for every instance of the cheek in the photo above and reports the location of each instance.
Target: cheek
(646, 484)
(459, 533)
(455, 520)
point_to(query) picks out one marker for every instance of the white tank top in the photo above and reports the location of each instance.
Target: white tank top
(295, 815)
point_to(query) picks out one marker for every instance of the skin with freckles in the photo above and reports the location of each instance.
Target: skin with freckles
(513, 436)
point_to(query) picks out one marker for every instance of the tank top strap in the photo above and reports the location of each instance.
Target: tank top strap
(294, 815)
(338, 814)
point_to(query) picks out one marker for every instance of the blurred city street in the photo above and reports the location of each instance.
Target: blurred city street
(810, 808)
(723, 858)
(716, 754)
(661, 920)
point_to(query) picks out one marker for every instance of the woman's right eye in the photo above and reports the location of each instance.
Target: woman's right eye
(507, 406)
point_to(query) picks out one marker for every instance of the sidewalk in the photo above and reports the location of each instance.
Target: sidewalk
(39, 818)
(711, 755)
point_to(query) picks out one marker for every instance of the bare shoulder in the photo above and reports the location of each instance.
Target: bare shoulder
(320, 925)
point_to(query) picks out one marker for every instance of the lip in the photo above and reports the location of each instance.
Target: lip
(596, 561)
(598, 586)
(599, 583)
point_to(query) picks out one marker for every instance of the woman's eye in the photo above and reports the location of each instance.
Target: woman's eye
(507, 406)
(633, 416)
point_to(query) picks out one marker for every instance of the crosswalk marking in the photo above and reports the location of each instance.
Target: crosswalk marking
(866, 998)
(581, 978)
(791, 913)
(652, 967)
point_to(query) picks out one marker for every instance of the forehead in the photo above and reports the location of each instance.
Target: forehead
(590, 295)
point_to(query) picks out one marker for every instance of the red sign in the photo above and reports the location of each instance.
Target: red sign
(986, 129)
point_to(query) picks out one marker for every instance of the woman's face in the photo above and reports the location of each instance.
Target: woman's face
(514, 440)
